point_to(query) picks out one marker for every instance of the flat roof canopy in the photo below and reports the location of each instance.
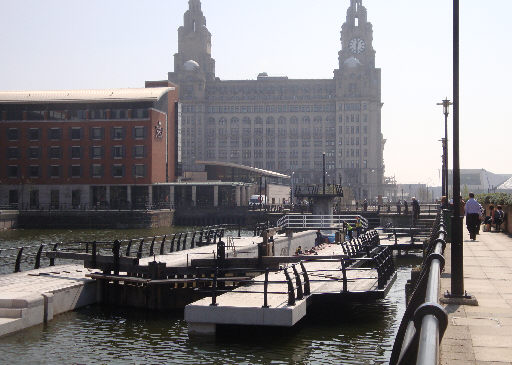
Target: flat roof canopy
(223, 170)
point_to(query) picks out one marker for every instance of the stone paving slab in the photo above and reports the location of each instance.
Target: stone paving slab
(481, 335)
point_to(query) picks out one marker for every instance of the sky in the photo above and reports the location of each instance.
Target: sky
(81, 44)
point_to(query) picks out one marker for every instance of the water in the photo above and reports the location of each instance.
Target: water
(357, 334)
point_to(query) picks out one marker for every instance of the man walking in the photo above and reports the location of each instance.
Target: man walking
(472, 210)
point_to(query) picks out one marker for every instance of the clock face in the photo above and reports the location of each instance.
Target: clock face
(357, 45)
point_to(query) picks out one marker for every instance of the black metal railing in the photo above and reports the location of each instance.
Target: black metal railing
(425, 320)
(16, 259)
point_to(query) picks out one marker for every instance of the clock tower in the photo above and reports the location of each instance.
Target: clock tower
(357, 36)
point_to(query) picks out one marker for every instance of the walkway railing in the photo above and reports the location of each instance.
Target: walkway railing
(425, 320)
(308, 221)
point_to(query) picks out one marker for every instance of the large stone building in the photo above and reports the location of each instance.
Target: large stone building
(280, 124)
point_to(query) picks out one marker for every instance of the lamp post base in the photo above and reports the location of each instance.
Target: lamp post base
(465, 299)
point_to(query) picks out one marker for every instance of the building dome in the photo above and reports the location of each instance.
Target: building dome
(352, 62)
(191, 65)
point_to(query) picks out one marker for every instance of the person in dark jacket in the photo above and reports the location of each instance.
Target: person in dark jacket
(415, 210)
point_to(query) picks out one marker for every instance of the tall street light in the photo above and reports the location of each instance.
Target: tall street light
(446, 110)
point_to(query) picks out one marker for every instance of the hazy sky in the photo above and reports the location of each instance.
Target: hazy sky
(72, 44)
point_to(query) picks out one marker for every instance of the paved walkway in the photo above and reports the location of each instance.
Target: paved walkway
(481, 334)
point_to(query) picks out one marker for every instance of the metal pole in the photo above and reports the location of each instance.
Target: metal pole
(457, 278)
(323, 174)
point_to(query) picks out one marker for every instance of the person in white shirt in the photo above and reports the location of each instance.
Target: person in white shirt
(473, 210)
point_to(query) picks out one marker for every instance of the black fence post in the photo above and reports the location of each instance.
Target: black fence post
(179, 241)
(214, 288)
(152, 247)
(265, 290)
(184, 242)
(291, 290)
(52, 260)
(18, 260)
(139, 252)
(172, 243)
(162, 245)
(94, 254)
(37, 264)
(307, 288)
(344, 272)
(300, 293)
(116, 247)
(192, 241)
(128, 248)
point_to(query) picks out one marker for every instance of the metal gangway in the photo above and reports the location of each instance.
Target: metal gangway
(309, 221)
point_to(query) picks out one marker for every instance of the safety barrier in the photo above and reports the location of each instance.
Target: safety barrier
(425, 320)
(308, 221)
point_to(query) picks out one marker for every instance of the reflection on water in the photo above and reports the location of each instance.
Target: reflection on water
(359, 334)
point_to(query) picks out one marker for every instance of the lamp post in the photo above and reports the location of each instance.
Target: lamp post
(291, 203)
(446, 110)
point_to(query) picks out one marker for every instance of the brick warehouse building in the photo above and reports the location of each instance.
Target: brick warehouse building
(88, 148)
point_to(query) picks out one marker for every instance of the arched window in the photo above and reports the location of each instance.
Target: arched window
(282, 120)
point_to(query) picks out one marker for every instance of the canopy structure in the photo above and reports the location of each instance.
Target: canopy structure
(228, 171)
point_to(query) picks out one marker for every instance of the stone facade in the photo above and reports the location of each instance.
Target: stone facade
(280, 124)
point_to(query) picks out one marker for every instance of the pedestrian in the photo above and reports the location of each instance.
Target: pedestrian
(499, 215)
(415, 210)
(365, 205)
(398, 207)
(359, 227)
(349, 231)
(472, 211)
(319, 238)
(406, 207)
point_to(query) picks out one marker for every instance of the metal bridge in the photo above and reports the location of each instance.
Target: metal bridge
(308, 221)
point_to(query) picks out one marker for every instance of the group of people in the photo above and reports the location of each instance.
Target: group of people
(475, 215)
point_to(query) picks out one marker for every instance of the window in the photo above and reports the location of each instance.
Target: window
(34, 152)
(76, 152)
(55, 134)
(139, 151)
(139, 170)
(34, 134)
(76, 171)
(76, 133)
(96, 151)
(117, 151)
(97, 133)
(118, 170)
(13, 134)
(13, 153)
(34, 171)
(54, 171)
(117, 133)
(12, 171)
(97, 170)
(55, 152)
(139, 132)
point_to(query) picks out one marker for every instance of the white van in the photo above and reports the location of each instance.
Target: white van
(257, 200)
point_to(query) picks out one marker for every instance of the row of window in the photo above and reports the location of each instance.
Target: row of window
(74, 114)
(76, 152)
(75, 171)
(76, 133)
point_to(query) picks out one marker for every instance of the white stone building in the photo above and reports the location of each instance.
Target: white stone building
(282, 124)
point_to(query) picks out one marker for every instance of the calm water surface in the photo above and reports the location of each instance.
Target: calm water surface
(358, 334)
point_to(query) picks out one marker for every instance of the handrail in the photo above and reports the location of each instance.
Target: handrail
(310, 221)
(425, 320)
